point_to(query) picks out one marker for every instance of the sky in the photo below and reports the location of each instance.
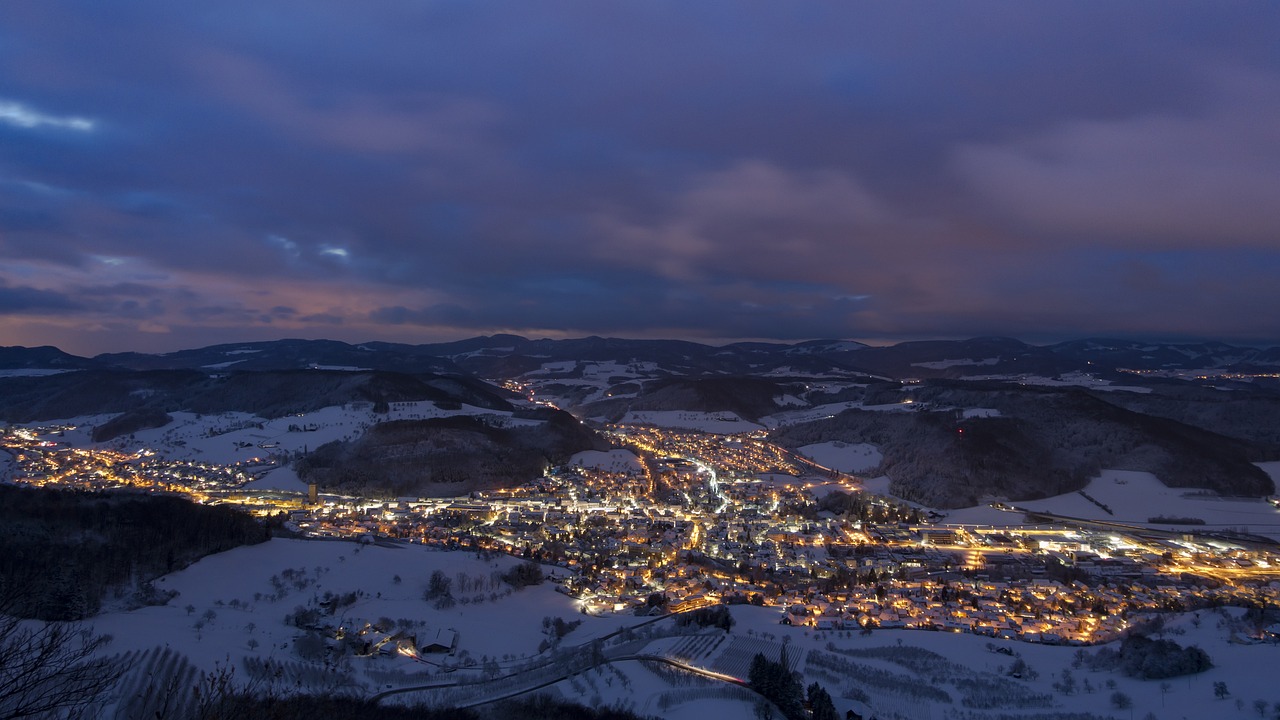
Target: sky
(178, 174)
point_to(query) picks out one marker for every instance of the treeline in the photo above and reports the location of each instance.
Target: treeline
(307, 707)
(1175, 520)
(1141, 657)
(62, 552)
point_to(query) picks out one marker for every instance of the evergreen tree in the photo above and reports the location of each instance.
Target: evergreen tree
(820, 703)
(778, 684)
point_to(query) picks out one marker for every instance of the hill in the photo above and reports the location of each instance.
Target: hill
(267, 394)
(447, 456)
(1032, 443)
(507, 356)
(749, 398)
(287, 355)
(44, 357)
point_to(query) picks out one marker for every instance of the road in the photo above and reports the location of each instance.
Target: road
(577, 650)
(561, 676)
(1253, 541)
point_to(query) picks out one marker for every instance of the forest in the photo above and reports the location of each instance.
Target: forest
(1033, 443)
(447, 456)
(62, 553)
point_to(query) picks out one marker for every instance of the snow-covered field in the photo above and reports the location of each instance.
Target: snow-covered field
(237, 588)
(591, 379)
(1134, 497)
(878, 485)
(611, 460)
(724, 423)
(842, 456)
(817, 412)
(281, 478)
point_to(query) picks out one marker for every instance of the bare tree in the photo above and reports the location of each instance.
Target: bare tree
(51, 669)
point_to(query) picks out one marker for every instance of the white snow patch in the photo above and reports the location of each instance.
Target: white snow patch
(1134, 497)
(817, 412)
(842, 456)
(612, 460)
(281, 478)
(725, 423)
(877, 485)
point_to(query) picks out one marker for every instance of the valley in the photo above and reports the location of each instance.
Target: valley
(785, 503)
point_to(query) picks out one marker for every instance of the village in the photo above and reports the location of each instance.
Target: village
(672, 521)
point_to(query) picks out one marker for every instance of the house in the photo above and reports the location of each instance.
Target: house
(444, 641)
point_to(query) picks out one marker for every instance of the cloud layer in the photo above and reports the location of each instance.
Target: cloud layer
(173, 175)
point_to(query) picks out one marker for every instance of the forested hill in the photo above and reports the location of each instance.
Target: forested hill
(1036, 443)
(63, 552)
(265, 393)
(448, 456)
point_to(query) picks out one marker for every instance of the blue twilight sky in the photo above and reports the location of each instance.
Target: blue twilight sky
(175, 174)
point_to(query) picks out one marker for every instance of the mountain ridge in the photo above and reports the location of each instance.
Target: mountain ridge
(505, 355)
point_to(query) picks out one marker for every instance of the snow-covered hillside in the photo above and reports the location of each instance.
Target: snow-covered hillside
(266, 444)
(233, 606)
(221, 596)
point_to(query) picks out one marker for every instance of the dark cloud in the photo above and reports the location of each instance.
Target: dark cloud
(20, 299)
(709, 169)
